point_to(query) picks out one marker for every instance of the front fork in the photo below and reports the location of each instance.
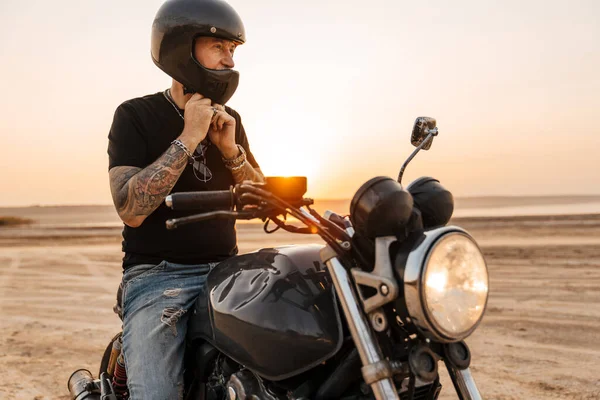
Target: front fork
(374, 368)
(463, 383)
(376, 371)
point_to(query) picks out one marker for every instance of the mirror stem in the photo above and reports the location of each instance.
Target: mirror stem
(414, 153)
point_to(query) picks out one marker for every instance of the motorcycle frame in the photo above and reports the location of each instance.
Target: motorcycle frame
(376, 370)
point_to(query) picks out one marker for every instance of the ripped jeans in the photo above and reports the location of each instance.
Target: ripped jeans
(156, 300)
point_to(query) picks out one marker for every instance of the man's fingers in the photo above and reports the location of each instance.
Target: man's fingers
(204, 102)
(196, 97)
(219, 120)
(222, 118)
(215, 123)
(200, 100)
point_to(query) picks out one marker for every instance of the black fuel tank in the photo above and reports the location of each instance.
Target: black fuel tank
(273, 311)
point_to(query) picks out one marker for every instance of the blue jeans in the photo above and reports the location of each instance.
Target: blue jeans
(156, 300)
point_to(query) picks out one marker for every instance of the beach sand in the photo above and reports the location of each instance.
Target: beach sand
(538, 339)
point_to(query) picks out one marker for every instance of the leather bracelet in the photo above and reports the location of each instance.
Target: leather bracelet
(237, 160)
(183, 147)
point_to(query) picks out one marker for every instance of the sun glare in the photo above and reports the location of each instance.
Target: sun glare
(294, 150)
(284, 164)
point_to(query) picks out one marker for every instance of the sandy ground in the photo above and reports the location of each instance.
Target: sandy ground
(539, 339)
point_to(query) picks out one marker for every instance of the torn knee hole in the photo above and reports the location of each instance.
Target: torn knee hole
(171, 315)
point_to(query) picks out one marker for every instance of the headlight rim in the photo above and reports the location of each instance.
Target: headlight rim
(438, 329)
(414, 274)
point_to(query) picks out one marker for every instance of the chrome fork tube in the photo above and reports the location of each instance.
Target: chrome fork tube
(367, 346)
(463, 383)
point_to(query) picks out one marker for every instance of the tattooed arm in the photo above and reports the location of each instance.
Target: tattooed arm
(138, 192)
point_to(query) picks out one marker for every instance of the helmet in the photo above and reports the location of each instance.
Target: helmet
(177, 25)
(433, 200)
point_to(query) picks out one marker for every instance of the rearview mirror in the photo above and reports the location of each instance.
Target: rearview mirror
(422, 135)
(422, 128)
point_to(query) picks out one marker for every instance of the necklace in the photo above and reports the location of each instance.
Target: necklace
(206, 142)
(167, 94)
(198, 160)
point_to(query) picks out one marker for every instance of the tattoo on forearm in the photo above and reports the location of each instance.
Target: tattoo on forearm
(138, 192)
(248, 173)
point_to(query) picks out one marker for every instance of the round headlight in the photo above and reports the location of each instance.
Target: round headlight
(446, 284)
(455, 285)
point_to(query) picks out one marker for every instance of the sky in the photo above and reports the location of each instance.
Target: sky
(328, 89)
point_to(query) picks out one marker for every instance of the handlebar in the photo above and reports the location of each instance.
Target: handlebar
(254, 201)
(210, 200)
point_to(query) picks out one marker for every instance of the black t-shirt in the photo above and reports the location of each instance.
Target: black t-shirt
(142, 130)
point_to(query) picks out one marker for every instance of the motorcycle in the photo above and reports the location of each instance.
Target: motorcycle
(369, 315)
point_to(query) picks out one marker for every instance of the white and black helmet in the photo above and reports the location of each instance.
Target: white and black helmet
(177, 25)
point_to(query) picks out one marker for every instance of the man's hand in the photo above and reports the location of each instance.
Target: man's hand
(222, 132)
(197, 119)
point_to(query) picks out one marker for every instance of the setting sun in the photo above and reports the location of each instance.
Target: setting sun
(278, 164)
(290, 149)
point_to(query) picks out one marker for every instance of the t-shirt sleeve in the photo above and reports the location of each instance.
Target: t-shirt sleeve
(126, 144)
(242, 140)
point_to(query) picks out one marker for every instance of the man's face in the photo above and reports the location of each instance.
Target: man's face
(214, 53)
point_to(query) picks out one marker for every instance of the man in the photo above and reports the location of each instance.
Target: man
(182, 139)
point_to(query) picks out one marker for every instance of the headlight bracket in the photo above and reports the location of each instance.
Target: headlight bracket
(381, 279)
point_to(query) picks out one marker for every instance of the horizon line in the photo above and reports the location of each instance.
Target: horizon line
(327, 199)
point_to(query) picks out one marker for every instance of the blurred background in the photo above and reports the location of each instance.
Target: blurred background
(329, 89)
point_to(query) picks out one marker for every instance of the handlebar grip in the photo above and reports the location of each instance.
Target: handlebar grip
(210, 200)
